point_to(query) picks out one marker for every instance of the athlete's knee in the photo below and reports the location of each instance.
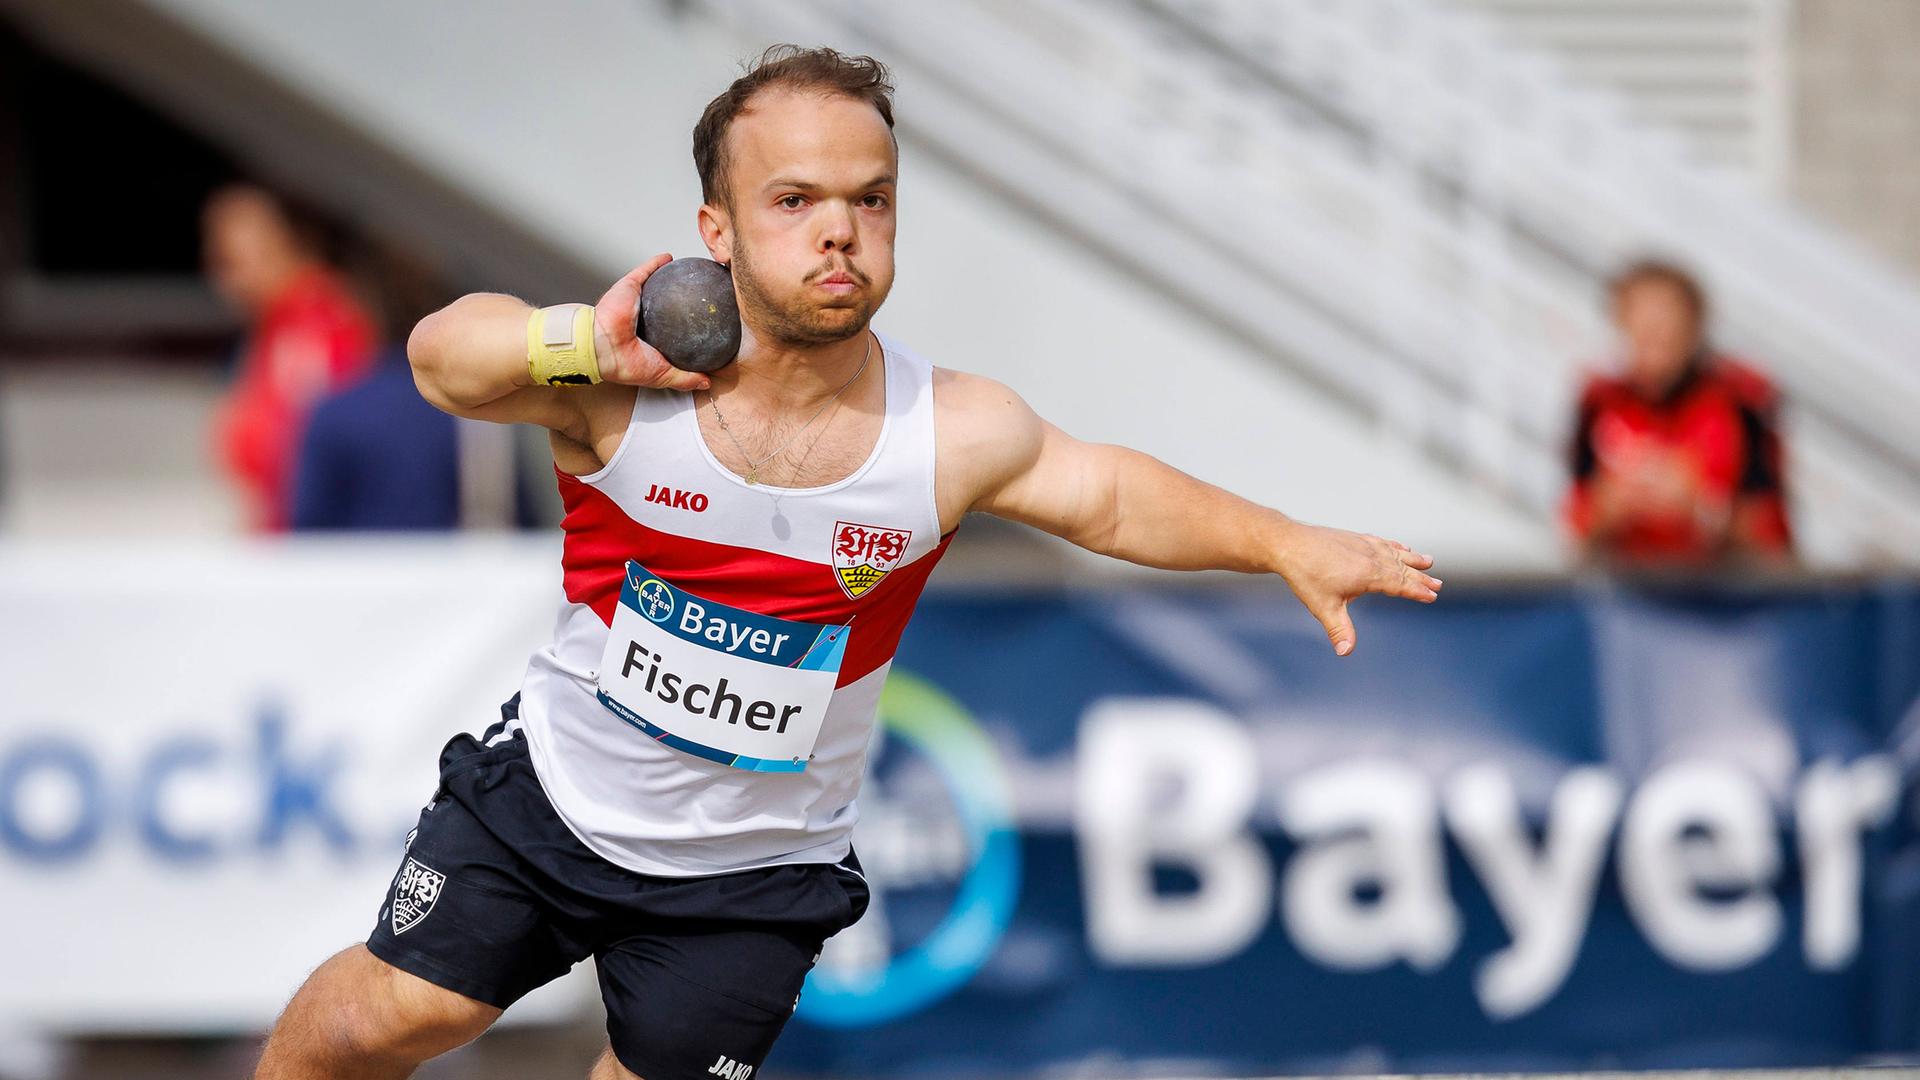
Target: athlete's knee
(359, 1008)
(609, 1068)
(405, 1014)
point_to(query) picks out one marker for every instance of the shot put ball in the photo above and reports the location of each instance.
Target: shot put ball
(687, 311)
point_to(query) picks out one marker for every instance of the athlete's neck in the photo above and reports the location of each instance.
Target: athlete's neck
(782, 376)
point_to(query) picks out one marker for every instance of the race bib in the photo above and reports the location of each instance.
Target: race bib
(717, 682)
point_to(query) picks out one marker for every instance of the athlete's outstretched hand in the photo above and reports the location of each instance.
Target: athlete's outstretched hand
(623, 357)
(1327, 568)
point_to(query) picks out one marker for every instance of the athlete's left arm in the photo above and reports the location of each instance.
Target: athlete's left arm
(998, 457)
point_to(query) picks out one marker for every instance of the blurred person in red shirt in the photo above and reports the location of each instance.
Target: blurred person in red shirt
(1677, 460)
(307, 335)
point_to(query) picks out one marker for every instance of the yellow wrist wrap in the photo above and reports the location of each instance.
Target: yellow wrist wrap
(560, 346)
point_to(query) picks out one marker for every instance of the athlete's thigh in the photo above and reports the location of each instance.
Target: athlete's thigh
(369, 1004)
(701, 1005)
(608, 1067)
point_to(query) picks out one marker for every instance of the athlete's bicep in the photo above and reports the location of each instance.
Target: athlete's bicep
(1067, 488)
(999, 457)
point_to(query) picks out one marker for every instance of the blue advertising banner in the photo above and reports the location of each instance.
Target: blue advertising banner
(1153, 831)
(1145, 831)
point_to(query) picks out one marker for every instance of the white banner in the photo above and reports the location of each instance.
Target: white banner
(209, 758)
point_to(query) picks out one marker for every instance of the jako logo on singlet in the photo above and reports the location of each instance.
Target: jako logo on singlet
(864, 978)
(679, 500)
(863, 554)
(728, 1069)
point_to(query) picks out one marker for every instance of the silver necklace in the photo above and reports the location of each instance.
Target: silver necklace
(753, 467)
(782, 528)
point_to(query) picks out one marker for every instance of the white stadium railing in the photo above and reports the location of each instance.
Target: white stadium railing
(1412, 215)
(1718, 72)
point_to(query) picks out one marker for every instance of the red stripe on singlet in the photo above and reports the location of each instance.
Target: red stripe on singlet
(600, 538)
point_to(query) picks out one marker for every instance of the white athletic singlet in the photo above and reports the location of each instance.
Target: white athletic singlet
(854, 553)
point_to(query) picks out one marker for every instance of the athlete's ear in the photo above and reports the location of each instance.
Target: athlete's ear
(716, 230)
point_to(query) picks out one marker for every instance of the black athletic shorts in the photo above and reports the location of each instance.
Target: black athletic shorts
(495, 896)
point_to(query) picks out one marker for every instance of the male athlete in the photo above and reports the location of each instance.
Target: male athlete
(672, 790)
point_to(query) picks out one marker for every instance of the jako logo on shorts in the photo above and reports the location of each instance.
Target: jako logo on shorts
(935, 727)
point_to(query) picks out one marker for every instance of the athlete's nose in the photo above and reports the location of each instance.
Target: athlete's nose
(837, 229)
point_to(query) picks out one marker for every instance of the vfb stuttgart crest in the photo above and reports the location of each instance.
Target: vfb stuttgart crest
(414, 893)
(863, 554)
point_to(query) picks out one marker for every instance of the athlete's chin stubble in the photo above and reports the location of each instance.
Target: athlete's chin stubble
(796, 322)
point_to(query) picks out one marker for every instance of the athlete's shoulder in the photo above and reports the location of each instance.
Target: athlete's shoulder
(987, 437)
(973, 413)
(964, 389)
(973, 408)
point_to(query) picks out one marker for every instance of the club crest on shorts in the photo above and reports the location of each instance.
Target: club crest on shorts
(414, 893)
(863, 554)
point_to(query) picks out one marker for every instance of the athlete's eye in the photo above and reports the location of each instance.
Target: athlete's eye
(875, 201)
(792, 202)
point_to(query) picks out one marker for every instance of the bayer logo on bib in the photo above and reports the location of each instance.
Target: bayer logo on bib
(656, 599)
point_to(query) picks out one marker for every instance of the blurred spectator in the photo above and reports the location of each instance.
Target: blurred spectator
(306, 335)
(376, 456)
(1677, 461)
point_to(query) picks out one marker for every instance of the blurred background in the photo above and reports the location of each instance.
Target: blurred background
(1611, 305)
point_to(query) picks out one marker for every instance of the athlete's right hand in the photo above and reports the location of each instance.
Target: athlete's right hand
(623, 357)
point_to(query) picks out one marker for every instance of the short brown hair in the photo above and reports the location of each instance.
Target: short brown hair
(785, 67)
(1664, 273)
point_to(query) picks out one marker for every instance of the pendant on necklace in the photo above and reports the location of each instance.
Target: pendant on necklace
(753, 476)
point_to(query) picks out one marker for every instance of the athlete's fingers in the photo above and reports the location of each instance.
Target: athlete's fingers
(1339, 626)
(618, 311)
(622, 298)
(1408, 571)
(1415, 559)
(637, 363)
(1420, 580)
(1411, 584)
(675, 379)
(634, 362)
(636, 277)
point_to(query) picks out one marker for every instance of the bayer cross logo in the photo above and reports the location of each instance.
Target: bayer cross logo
(656, 599)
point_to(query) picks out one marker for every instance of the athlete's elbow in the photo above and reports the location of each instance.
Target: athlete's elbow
(439, 352)
(1104, 486)
(432, 392)
(1104, 540)
(423, 346)
(424, 357)
(1096, 526)
(437, 338)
